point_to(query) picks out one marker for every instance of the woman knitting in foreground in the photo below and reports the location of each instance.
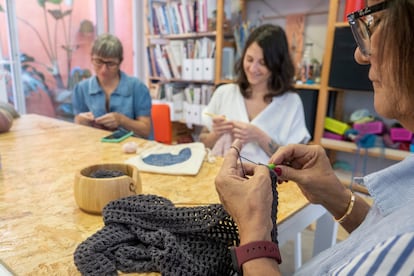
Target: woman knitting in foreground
(382, 236)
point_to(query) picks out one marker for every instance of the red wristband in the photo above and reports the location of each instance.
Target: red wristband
(254, 250)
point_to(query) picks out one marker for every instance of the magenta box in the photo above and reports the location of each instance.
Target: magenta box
(330, 135)
(400, 134)
(369, 128)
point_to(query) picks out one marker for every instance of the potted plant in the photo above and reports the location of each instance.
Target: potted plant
(57, 19)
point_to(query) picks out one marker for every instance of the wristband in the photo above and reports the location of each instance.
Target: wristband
(254, 250)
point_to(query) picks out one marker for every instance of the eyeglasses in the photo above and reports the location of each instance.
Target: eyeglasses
(362, 25)
(100, 62)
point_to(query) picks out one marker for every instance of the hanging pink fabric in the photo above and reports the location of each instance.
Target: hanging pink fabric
(352, 5)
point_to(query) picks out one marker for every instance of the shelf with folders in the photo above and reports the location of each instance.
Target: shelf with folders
(186, 100)
(163, 80)
(184, 35)
(191, 59)
(175, 20)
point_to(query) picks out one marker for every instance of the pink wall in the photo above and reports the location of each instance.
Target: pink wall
(82, 9)
(123, 29)
(30, 44)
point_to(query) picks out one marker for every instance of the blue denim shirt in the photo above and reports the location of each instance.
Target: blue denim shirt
(130, 98)
(391, 215)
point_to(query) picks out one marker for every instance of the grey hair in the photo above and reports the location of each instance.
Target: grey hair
(108, 46)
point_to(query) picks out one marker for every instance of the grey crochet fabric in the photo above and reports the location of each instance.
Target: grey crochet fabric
(147, 233)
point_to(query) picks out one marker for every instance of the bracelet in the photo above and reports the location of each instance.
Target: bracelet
(348, 210)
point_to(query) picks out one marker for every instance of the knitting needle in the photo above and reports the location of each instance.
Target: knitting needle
(270, 166)
(213, 115)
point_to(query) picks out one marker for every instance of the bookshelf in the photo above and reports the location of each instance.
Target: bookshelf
(325, 90)
(184, 41)
(216, 30)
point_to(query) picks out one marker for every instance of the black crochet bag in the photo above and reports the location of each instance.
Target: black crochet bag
(147, 233)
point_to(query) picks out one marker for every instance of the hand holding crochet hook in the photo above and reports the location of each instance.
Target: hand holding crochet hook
(220, 124)
(243, 131)
(246, 198)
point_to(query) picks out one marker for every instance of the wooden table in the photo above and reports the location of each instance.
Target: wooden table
(40, 223)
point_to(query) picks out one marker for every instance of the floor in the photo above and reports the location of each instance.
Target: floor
(287, 250)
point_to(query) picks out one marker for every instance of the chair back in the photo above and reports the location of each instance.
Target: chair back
(161, 122)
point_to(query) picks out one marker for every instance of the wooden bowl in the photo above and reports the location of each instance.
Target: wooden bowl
(92, 194)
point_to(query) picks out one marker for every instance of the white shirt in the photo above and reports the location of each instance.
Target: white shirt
(390, 221)
(283, 119)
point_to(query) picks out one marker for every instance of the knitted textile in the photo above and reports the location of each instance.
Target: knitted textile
(147, 233)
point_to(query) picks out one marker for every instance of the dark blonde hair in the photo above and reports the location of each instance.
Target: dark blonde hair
(108, 46)
(272, 39)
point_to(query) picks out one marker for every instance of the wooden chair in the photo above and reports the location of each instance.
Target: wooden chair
(161, 122)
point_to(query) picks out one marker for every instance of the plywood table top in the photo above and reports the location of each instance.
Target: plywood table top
(40, 223)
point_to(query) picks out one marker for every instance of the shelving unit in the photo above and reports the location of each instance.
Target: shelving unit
(218, 35)
(323, 98)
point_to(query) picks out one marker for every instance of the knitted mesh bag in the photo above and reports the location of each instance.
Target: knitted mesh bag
(147, 233)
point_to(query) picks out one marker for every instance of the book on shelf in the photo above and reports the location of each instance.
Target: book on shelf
(161, 20)
(155, 90)
(178, 51)
(152, 63)
(178, 17)
(162, 62)
(172, 61)
(183, 9)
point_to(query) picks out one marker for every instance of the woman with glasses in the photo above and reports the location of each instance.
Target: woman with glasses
(381, 240)
(111, 99)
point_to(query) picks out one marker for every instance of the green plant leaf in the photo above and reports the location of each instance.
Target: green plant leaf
(67, 12)
(54, 1)
(1, 8)
(41, 3)
(26, 58)
(57, 14)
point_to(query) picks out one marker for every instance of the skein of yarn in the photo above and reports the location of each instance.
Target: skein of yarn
(6, 120)
(9, 108)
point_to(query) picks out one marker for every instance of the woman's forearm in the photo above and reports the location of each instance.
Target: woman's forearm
(208, 138)
(266, 142)
(140, 126)
(355, 217)
(339, 203)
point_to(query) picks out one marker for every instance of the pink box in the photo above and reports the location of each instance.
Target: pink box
(400, 134)
(330, 135)
(369, 128)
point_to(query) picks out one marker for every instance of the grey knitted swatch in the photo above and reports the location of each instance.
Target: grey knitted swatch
(147, 233)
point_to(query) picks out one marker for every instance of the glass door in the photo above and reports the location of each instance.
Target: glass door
(52, 41)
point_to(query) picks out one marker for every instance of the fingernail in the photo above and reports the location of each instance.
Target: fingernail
(278, 171)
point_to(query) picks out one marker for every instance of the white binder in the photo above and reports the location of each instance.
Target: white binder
(187, 69)
(208, 69)
(197, 69)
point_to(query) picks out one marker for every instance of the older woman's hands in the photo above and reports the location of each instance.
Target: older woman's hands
(310, 168)
(247, 200)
